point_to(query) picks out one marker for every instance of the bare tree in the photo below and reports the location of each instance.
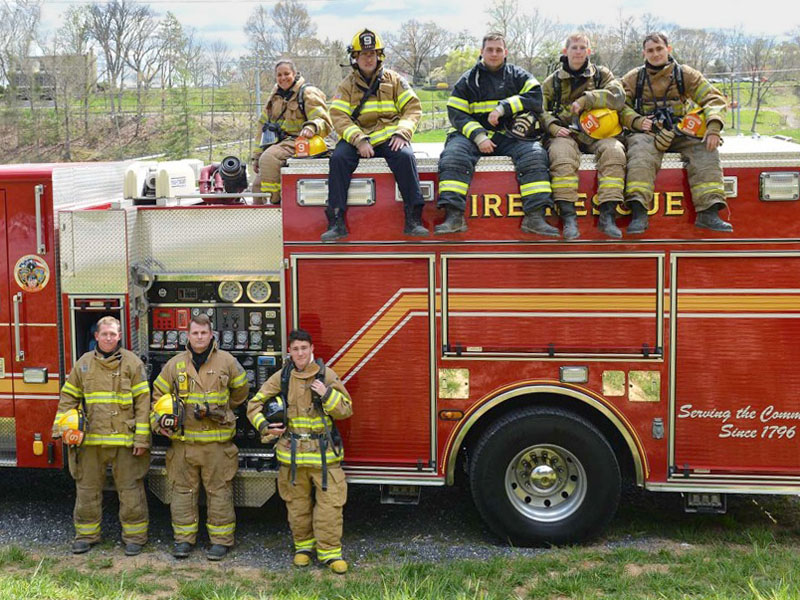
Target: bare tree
(144, 56)
(19, 23)
(416, 45)
(262, 42)
(502, 16)
(764, 62)
(695, 47)
(537, 40)
(294, 25)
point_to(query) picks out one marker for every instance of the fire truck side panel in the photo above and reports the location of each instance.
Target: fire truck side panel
(736, 357)
(31, 295)
(382, 351)
(8, 444)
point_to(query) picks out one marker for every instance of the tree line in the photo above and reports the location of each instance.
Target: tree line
(128, 48)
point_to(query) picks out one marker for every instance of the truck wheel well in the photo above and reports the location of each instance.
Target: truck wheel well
(611, 433)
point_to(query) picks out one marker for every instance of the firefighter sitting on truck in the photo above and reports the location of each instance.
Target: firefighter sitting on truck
(299, 404)
(672, 107)
(375, 113)
(582, 100)
(204, 384)
(102, 416)
(481, 109)
(294, 109)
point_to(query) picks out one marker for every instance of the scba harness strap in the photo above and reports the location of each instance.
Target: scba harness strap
(330, 438)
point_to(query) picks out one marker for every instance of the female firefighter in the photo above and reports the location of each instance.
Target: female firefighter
(294, 108)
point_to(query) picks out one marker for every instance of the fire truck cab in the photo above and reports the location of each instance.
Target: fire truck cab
(539, 373)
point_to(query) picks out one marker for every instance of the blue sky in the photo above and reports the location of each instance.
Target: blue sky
(339, 19)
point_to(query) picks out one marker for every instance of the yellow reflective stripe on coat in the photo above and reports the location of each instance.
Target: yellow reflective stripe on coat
(451, 185)
(307, 459)
(560, 183)
(482, 107)
(108, 439)
(373, 106)
(142, 429)
(87, 528)
(469, 127)
(134, 527)
(535, 187)
(458, 103)
(226, 529)
(210, 397)
(380, 136)
(206, 435)
(342, 106)
(403, 99)
(406, 124)
(351, 132)
(258, 421)
(516, 104)
(333, 400)
(611, 182)
(305, 545)
(238, 381)
(124, 398)
(639, 186)
(140, 388)
(184, 529)
(310, 423)
(73, 391)
(161, 385)
(712, 187)
(529, 85)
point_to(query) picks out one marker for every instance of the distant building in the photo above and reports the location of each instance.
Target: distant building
(36, 76)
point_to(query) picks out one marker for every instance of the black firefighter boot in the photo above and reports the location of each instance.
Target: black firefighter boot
(709, 219)
(607, 223)
(533, 222)
(336, 227)
(414, 224)
(638, 222)
(454, 221)
(570, 219)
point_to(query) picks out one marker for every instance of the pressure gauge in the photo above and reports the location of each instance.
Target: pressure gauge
(230, 291)
(258, 291)
(255, 320)
(183, 337)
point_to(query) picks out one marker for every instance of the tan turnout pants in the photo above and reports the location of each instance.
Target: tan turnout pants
(213, 464)
(315, 517)
(87, 465)
(565, 161)
(703, 168)
(268, 178)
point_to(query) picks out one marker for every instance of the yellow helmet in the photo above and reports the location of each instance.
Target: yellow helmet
(317, 146)
(693, 123)
(600, 123)
(169, 412)
(366, 40)
(73, 427)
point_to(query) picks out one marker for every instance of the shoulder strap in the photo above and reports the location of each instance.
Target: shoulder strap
(679, 79)
(286, 373)
(301, 100)
(598, 78)
(367, 93)
(555, 102)
(637, 98)
(321, 373)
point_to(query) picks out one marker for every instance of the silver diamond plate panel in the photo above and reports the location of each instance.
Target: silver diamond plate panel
(8, 442)
(250, 488)
(211, 240)
(78, 185)
(93, 251)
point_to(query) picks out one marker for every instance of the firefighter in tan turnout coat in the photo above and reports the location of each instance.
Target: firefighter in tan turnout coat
(210, 383)
(672, 107)
(293, 109)
(577, 87)
(107, 390)
(311, 480)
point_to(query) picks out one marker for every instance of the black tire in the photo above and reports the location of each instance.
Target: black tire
(543, 475)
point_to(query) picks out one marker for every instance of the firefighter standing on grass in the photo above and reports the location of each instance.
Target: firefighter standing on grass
(103, 416)
(209, 383)
(311, 480)
(481, 109)
(293, 109)
(660, 97)
(577, 87)
(375, 113)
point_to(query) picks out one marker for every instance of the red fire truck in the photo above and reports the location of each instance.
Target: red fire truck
(540, 373)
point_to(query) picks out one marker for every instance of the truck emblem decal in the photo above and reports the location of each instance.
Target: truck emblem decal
(31, 273)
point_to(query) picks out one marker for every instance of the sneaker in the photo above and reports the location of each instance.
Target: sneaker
(216, 552)
(132, 549)
(181, 549)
